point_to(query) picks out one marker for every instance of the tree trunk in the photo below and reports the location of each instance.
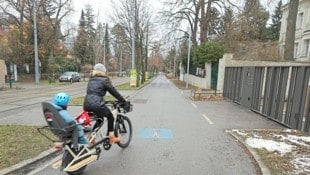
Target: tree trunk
(195, 27)
(290, 30)
(142, 60)
(203, 25)
(146, 47)
(138, 60)
(208, 16)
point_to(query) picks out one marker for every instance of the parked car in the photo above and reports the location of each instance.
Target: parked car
(70, 77)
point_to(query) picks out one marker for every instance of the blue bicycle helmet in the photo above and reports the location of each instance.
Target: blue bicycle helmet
(61, 99)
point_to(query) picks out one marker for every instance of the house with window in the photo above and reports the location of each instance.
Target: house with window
(302, 35)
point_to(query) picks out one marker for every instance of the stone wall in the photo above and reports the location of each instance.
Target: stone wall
(201, 82)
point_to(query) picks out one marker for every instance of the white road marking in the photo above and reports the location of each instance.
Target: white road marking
(207, 118)
(156, 134)
(194, 105)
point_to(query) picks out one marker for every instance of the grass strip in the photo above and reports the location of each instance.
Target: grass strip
(20, 142)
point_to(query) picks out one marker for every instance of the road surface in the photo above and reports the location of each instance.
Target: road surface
(173, 135)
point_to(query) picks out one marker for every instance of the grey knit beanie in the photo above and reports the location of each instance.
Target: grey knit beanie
(100, 67)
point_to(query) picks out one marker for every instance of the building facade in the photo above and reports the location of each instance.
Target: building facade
(302, 35)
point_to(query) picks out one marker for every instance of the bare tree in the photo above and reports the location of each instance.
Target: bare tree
(99, 43)
(197, 14)
(122, 16)
(50, 15)
(228, 26)
(121, 31)
(179, 12)
(156, 63)
(16, 37)
(121, 48)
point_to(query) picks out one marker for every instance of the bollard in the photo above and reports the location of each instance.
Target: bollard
(10, 80)
(49, 79)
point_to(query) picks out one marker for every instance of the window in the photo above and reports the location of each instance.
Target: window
(299, 20)
(307, 47)
(295, 50)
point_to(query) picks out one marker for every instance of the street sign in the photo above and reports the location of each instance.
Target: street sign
(133, 77)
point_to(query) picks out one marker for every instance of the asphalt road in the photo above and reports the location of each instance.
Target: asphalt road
(176, 136)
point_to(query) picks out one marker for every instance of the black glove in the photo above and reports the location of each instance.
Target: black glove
(127, 106)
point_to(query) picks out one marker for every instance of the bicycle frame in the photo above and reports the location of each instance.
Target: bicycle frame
(89, 153)
(77, 156)
(80, 159)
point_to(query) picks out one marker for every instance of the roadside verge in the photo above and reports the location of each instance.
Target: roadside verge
(262, 167)
(24, 167)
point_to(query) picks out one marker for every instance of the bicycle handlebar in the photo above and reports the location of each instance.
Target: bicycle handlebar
(123, 107)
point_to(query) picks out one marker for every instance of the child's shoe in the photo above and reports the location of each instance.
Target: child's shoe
(82, 140)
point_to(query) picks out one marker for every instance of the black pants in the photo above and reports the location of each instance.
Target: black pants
(104, 112)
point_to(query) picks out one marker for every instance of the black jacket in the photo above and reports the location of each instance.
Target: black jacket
(97, 87)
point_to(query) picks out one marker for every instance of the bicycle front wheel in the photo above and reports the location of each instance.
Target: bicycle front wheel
(123, 129)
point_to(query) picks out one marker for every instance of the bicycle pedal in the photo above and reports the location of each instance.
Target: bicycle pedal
(98, 151)
(106, 144)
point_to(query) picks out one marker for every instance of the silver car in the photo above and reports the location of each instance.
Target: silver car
(70, 77)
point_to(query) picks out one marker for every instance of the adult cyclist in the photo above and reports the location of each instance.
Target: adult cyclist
(98, 85)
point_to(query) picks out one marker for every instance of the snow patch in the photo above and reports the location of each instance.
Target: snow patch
(269, 145)
(300, 140)
(301, 164)
(239, 132)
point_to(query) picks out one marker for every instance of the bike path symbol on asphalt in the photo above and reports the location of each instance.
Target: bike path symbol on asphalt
(155, 133)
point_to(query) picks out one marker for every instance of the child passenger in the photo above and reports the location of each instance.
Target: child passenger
(61, 101)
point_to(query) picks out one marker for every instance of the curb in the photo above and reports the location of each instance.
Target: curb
(27, 162)
(262, 167)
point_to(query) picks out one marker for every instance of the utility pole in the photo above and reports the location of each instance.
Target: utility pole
(188, 57)
(104, 43)
(174, 59)
(133, 72)
(133, 33)
(104, 52)
(36, 59)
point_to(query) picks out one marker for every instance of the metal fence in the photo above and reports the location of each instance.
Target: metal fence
(279, 93)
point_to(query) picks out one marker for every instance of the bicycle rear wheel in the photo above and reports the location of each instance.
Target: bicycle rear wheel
(123, 129)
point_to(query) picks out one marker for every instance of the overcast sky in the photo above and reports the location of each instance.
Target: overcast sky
(104, 7)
